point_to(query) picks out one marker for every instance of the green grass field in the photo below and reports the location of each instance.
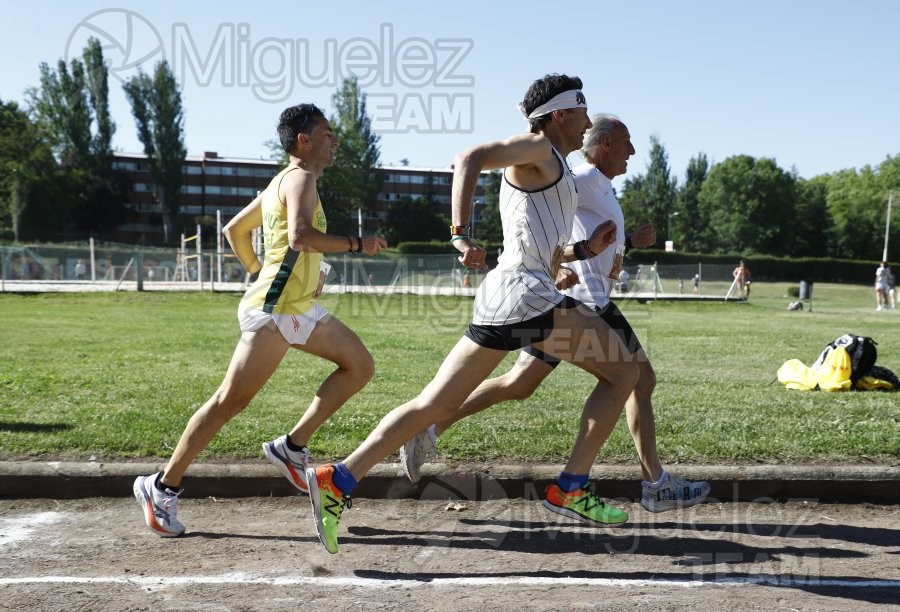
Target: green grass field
(117, 375)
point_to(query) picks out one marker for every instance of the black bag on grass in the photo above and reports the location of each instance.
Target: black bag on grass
(862, 353)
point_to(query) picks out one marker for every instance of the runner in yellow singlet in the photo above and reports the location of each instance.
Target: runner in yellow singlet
(288, 279)
(279, 311)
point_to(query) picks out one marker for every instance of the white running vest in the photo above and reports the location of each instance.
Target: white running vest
(536, 228)
(596, 203)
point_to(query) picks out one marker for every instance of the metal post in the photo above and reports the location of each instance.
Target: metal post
(219, 244)
(139, 269)
(199, 259)
(887, 225)
(93, 261)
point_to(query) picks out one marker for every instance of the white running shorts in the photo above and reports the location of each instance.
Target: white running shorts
(296, 329)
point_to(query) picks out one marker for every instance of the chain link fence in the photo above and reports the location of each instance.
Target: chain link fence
(95, 265)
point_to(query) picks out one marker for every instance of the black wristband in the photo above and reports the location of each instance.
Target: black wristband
(580, 252)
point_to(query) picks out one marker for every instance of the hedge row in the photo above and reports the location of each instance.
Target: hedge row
(762, 267)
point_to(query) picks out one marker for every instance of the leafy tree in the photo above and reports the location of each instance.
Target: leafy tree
(97, 86)
(749, 204)
(156, 106)
(689, 226)
(61, 109)
(490, 229)
(813, 235)
(354, 181)
(28, 173)
(414, 221)
(276, 151)
(634, 201)
(71, 107)
(651, 196)
(660, 188)
(888, 181)
(857, 203)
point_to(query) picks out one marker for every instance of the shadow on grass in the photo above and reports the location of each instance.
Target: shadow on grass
(33, 427)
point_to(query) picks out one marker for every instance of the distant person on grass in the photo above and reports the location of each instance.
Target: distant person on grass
(892, 289)
(742, 276)
(516, 305)
(278, 311)
(606, 149)
(882, 298)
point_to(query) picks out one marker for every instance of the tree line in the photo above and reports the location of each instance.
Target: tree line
(752, 206)
(57, 178)
(56, 157)
(749, 206)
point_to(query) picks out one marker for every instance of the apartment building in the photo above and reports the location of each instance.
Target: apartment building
(212, 183)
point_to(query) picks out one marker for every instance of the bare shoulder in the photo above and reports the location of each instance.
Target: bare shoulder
(519, 150)
(297, 184)
(538, 166)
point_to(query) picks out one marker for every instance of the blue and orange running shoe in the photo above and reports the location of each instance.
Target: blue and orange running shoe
(583, 505)
(328, 503)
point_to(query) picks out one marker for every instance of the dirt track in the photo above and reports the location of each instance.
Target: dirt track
(261, 553)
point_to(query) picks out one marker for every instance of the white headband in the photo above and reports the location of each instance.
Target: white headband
(572, 98)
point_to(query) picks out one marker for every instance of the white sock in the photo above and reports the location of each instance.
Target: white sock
(661, 480)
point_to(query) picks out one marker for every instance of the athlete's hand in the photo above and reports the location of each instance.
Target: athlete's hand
(603, 236)
(372, 244)
(472, 254)
(565, 278)
(318, 290)
(644, 235)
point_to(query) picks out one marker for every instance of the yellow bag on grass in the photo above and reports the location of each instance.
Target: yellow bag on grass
(834, 373)
(793, 374)
(870, 383)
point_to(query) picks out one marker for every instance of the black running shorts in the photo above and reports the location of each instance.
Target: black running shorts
(616, 321)
(514, 336)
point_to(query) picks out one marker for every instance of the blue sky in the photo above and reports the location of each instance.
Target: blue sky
(810, 83)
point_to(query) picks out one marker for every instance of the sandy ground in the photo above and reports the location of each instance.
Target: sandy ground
(262, 554)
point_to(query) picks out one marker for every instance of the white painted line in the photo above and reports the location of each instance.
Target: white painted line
(475, 581)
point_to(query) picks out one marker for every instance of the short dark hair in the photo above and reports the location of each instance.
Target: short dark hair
(542, 91)
(296, 120)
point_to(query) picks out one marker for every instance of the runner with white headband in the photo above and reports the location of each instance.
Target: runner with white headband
(572, 98)
(518, 304)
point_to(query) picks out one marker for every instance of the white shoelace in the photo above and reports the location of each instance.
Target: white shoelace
(170, 503)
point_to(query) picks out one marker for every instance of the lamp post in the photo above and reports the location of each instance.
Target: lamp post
(669, 233)
(887, 225)
(475, 203)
